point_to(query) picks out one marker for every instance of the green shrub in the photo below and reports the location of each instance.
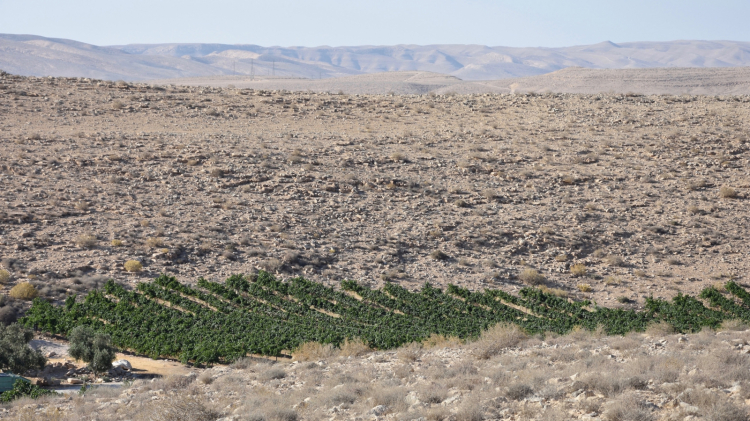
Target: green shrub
(15, 354)
(23, 389)
(92, 347)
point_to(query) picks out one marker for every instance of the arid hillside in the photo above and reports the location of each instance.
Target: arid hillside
(573, 80)
(610, 197)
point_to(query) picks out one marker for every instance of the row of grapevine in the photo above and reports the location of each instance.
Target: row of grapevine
(220, 322)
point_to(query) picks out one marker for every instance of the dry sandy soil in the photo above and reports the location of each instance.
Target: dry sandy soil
(502, 376)
(576, 80)
(209, 182)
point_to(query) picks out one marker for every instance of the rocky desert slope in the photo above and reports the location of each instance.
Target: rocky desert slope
(611, 197)
(504, 375)
(641, 195)
(573, 80)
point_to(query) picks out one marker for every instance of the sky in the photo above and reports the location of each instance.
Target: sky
(520, 23)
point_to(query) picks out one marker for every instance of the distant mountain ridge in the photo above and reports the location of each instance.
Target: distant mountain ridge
(41, 56)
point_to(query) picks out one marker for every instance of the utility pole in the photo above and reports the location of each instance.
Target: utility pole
(252, 69)
(273, 68)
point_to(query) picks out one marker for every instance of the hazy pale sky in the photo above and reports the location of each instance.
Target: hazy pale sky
(521, 23)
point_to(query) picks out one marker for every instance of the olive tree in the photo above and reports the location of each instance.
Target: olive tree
(92, 347)
(15, 354)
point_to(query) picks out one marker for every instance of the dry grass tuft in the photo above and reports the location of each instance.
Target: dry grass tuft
(531, 277)
(313, 351)
(500, 336)
(659, 329)
(4, 276)
(154, 242)
(410, 352)
(727, 192)
(438, 255)
(116, 243)
(440, 341)
(354, 348)
(86, 241)
(133, 266)
(179, 408)
(24, 291)
(579, 269)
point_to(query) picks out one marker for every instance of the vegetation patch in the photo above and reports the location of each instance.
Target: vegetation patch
(223, 322)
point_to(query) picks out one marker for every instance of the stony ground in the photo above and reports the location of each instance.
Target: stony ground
(503, 376)
(610, 197)
(648, 193)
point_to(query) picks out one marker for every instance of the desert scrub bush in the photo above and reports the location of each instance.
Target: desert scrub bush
(82, 206)
(273, 373)
(4, 276)
(86, 241)
(154, 242)
(727, 192)
(438, 255)
(498, 337)
(613, 260)
(145, 223)
(531, 277)
(410, 352)
(561, 258)
(24, 291)
(183, 407)
(217, 173)
(313, 351)
(353, 348)
(659, 329)
(441, 341)
(628, 408)
(579, 269)
(398, 157)
(206, 377)
(116, 243)
(584, 287)
(133, 266)
(733, 325)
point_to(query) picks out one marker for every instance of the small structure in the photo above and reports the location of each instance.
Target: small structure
(7, 380)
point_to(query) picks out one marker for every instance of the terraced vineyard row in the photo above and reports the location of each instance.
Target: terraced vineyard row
(220, 322)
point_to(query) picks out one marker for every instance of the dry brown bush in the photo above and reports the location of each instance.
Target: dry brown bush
(440, 341)
(4, 276)
(354, 348)
(613, 260)
(313, 351)
(24, 291)
(579, 269)
(531, 277)
(734, 325)
(86, 240)
(659, 329)
(410, 352)
(206, 377)
(500, 336)
(628, 408)
(727, 192)
(178, 408)
(154, 242)
(133, 266)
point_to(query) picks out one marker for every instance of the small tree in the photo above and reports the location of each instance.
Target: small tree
(15, 354)
(94, 348)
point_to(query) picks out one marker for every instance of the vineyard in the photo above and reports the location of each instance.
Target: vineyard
(220, 322)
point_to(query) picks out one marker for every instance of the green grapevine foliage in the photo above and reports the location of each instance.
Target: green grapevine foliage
(220, 322)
